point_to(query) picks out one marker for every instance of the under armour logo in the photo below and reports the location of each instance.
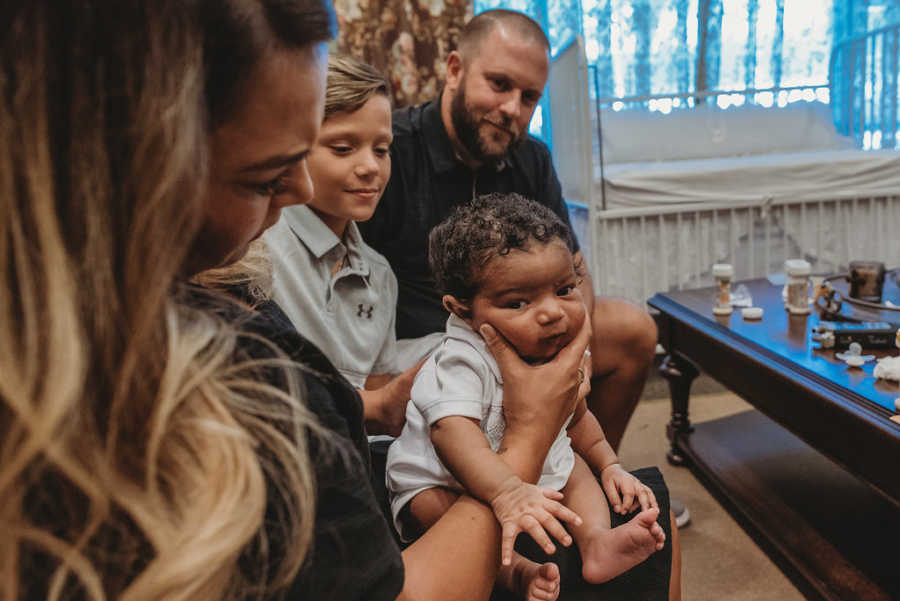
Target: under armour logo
(368, 312)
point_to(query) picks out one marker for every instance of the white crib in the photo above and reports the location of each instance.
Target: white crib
(638, 252)
(750, 186)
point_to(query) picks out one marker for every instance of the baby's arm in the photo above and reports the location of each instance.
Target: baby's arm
(589, 441)
(519, 506)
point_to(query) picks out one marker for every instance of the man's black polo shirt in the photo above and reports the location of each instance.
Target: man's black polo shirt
(427, 182)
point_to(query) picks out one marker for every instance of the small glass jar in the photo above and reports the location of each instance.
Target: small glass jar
(723, 272)
(796, 300)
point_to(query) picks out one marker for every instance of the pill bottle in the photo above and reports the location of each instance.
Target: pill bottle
(797, 299)
(723, 272)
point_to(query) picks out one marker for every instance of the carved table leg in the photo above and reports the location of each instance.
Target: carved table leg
(680, 373)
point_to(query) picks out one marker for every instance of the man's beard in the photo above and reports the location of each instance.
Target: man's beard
(467, 131)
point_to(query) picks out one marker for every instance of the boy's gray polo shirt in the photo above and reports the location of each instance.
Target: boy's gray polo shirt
(349, 315)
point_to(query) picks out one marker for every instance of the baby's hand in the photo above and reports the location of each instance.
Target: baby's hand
(522, 507)
(633, 492)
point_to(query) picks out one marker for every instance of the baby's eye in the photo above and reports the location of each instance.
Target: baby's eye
(566, 290)
(382, 151)
(341, 148)
(516, 304)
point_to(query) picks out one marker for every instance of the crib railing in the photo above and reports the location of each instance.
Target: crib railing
(638, 252)
(767, 97)
(772, 97)
(776, 96)
(863, 71)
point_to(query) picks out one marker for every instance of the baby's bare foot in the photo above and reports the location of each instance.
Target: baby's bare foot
(609, 553)
(535, 582)
(542, 582)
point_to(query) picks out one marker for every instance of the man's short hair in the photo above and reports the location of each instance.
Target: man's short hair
(482, 24)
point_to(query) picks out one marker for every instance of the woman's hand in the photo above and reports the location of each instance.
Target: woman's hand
(624, 491)
(537, 399)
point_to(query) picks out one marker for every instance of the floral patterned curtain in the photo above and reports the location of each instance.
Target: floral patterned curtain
(408, 40)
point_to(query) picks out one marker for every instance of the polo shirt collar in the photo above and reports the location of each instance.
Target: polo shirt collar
(353, 241)
(437, 140)
(319, 238)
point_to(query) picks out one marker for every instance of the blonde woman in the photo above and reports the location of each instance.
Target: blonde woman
(155, 441)
(139, 450)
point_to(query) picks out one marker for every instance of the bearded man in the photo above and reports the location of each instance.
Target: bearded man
(472, 140)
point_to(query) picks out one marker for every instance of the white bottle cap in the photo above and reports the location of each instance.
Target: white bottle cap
(797, 267)
(722, 270)
(854, 361)
(752, 313)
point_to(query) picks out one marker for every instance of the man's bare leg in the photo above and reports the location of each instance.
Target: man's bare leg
(675, 574)
(607, 552)
(533, 581)
(622, 348)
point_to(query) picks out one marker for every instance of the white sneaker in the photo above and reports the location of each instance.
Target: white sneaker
(680, 510)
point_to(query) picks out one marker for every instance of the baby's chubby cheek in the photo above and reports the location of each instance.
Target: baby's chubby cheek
(576, 317)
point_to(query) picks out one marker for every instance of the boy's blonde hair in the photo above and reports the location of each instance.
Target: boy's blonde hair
(351, 82)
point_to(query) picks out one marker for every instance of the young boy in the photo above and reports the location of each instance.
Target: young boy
(507, 261)
(334, 288)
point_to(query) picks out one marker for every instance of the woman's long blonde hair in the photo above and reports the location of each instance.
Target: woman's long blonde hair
(139, 449)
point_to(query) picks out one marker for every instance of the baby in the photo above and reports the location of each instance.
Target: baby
(507, 261)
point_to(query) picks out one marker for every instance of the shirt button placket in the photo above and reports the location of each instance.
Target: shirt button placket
(338, 253)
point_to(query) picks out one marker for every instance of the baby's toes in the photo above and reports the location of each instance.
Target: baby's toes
(544, 586)
(659, 534)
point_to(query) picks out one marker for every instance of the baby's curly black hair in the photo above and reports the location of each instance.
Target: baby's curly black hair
(491, 225)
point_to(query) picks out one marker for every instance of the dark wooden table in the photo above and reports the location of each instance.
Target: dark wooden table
(814, 473)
